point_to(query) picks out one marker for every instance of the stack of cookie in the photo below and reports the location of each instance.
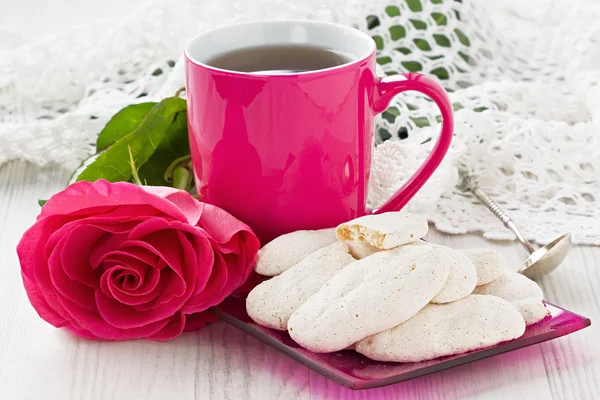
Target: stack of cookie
(374, 286)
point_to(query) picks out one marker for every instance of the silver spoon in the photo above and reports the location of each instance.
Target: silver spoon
(541, 261)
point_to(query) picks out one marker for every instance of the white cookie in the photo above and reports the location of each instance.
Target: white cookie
(384, 231)
(441, 330)
(488, 263)
(360, 249)
(272, 302)
(524, 293)
(462, 277)
(288, 250)
(369, 296)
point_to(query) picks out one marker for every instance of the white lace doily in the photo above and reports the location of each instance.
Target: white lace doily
(524, 78)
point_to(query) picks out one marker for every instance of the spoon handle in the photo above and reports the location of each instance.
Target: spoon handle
(495, 208)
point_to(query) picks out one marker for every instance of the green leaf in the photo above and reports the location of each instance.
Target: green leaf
(175, 145)
(113, 164)
(134, 170)
(42, 202)
(122, 123)
(84, 164)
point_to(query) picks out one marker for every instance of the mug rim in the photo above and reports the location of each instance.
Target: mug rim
(307, 22)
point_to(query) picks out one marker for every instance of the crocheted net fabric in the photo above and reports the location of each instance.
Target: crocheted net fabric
(523, 78)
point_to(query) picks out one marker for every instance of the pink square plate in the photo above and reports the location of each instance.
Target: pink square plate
(356, 371)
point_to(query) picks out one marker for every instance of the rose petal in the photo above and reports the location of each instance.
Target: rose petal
(235, 240)
(213, 293)
(222, 226)
(101, 193)
(129, 211)
(63, 285)
(39, 303)
(131, 265)
(74, 255)
(110, 225)
(130, 285)
(190, 274)
(173, 329)
(97, 326)
(122, 316)
(113, 224)
(34, 270)
(139, 253)
(151, 288)
(170, 301)
(191, 207)
(205, 259)
(238, 266)
(150, 232)
(196, 321)
(164, 241)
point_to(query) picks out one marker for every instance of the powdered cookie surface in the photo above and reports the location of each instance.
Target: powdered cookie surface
(444, 329)
(384, 231)
(524, 293)
(360, 249)
(369, 296)
(288, 250)
(488, 263)
(272, 302)
(462, 278)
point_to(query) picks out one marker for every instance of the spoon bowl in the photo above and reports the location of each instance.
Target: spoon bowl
(546, 259)
(541, 261)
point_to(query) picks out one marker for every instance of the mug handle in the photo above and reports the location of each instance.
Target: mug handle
(385, 89)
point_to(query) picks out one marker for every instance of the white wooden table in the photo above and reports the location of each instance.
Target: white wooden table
(38, 361)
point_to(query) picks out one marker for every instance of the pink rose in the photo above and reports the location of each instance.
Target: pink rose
(117, 261)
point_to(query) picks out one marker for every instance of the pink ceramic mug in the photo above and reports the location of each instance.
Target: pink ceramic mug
(284, 152)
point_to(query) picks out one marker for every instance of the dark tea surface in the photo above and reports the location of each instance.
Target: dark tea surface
(280, 59)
